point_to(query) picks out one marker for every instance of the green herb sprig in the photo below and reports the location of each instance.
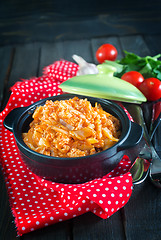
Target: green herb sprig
(148, 66)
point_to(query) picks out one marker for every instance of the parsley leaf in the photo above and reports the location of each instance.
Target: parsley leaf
(148, 66)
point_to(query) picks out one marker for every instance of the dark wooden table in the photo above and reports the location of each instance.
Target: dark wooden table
(141, 217)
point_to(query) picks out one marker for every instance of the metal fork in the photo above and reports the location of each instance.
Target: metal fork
(149, 161)
(140, 167)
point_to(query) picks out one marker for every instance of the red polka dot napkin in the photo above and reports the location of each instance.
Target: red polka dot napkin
(36, 202)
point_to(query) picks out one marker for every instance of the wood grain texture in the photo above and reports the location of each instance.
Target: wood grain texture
(59, 231)
(154, 44)
(92, 227)
(23, 62)
(25, 65)
(135, 44)
(5, 68)
(7, 226)
(81, 8)
(52, 52)
(140, 218)
(49, 21)
(29, 29)
(143, 213)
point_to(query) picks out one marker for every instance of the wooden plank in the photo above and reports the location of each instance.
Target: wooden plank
(7, 226)
(153, 43)
(92, 227)
(25, 65)
(89, 226)
(58, 231)
(80, 47)
(18, 9)
(142, 214)
(64, 50)
(17, 27)
(135, 44)
(6, 59)
(143, 211)
(50, 52)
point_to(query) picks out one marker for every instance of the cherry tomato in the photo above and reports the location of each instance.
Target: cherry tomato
(151, 88)
(133, 77)
(106, 52)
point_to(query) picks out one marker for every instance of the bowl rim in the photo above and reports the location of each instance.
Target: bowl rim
(30, 109)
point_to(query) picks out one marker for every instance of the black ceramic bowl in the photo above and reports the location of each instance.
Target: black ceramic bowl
(78, 169)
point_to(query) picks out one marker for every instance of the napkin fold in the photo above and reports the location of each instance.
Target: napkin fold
(36, 202)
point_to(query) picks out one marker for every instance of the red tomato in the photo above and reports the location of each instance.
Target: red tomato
(133, 77)
(106, 52)
(151, 88)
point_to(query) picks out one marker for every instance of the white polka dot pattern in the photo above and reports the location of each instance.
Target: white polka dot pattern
(61, 70)
(37, 203)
